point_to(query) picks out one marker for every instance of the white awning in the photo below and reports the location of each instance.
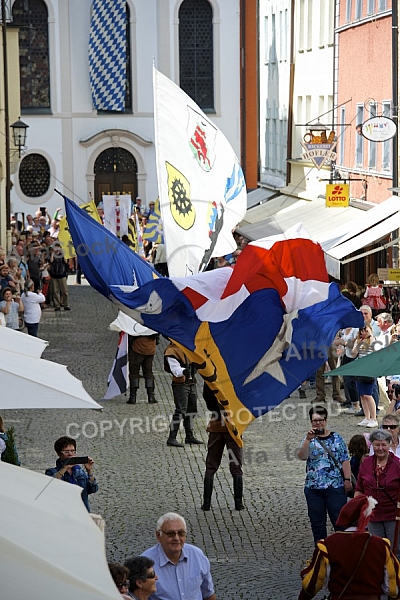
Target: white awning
(259, 196)
(366, 238)
(340, 231)
(328, 226)
(359, 242)
(323, 224)
(269, 208)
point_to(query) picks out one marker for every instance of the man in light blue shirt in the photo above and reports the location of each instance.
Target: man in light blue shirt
(183, 570)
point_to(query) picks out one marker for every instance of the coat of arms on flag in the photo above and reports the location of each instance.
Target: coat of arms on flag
(201, 134)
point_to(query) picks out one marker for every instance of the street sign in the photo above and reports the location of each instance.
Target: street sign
(337, 195)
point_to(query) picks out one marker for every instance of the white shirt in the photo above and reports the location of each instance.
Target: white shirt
(175, 366)
(32, 310)
(384, 339)
(349, 338)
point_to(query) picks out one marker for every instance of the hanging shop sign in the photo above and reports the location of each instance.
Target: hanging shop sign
(379, 129)
(388, 274)
(337, 194)
(319, 148)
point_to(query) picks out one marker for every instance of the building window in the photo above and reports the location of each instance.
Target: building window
(310, 25)
(371, 7)
(31, 17)
(196, 52)
(359, 138)
(273, 39)
(266, 41)
(381, 4)
(301, 25)
(372, 146)
(115, 160)
(34, 175)
(348, 11)
(342, 136)
(359, 4)
(386, 146)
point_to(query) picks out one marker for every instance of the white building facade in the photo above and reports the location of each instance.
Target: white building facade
(84, 152)
(274, 61)
(312, 96)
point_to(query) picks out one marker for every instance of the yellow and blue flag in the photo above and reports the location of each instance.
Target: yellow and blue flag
(255, 332)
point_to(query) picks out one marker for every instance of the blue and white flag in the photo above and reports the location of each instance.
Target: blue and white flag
(107, 54)
(118, 378)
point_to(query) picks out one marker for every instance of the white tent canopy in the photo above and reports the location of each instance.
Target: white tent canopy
(16, 341)
(40, 383)
(49, 545)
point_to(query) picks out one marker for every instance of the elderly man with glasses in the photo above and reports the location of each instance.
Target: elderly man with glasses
(182, 569)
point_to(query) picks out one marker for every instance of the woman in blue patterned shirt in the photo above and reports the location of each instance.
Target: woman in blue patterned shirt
(327, 478)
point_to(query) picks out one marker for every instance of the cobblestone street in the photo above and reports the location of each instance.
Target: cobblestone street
(256, 553)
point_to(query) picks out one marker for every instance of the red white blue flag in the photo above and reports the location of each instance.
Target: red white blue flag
(256, 332)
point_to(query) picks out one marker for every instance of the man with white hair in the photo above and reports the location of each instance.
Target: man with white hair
(182, 569)
(385, 323)
(368, 320)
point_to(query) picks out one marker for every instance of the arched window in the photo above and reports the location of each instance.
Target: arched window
(196, 61)
(34, 175)
(115, 160)
(31, 17)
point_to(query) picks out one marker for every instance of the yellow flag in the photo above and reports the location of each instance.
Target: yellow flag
(64, 236)
(181, 206)
(132, 236)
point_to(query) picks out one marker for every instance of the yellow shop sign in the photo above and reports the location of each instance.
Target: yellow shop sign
(337, 194)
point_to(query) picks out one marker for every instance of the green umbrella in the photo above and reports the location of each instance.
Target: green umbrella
(382, 362)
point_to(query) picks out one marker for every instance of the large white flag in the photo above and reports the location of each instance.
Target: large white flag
(201, 185)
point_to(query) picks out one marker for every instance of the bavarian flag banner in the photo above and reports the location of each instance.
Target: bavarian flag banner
(64, 236)
(255, 332)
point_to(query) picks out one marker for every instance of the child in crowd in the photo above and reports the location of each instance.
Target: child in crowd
(358, 450)
(373, 296)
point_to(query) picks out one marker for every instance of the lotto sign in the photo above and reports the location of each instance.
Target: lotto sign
(337, 194)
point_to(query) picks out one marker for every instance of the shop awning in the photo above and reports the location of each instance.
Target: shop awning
(269, 208)
(285, 211)
(361, 241)
(259, 196)
(366, 238)
(340, 231)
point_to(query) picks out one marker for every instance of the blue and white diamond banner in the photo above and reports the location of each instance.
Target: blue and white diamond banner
(107, 54)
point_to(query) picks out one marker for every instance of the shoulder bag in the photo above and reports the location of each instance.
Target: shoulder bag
(338, 465)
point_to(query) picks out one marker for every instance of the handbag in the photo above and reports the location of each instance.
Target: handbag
(339, 466)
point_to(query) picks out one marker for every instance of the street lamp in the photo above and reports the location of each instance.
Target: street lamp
(19, 135)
